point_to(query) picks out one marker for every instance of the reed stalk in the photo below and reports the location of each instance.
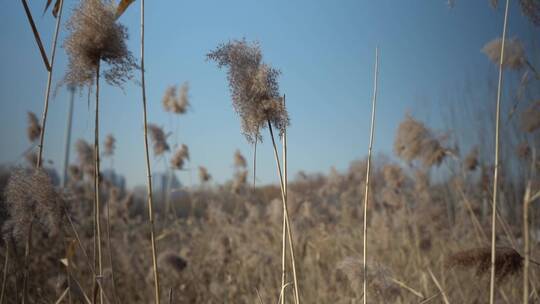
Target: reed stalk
(496, 165)
(148, 169)
(4, 276)
(285, 209)
(368, 173)
(97, 203)
(284, 239)
(49, 83)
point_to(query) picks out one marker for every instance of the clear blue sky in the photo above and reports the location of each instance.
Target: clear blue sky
(325, 50)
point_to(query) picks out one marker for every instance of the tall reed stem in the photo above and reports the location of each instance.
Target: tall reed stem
(284, 239)
(148, 170)
(97, 206)
(526, 249)
(496, 165)
(254, 162)
(49, 83)
(286, 211)
(27, 251)
(368, 172)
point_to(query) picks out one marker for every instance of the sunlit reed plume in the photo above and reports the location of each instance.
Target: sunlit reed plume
(204, 175)
(254, 87)
(159, 139)
(95, 35)
(414, 141)
(514, 53)
(34, 128)
(109, 145)
(470, 162)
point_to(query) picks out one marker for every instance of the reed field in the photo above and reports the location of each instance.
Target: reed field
(449, 214)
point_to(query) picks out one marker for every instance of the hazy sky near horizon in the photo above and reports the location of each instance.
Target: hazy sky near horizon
(325, 50)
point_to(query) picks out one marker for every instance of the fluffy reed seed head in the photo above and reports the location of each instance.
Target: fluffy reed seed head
(34, 128)
(176, 103)
(470, 162)
(254, 87)
(159, 139)
(514, 53)
(179, 157)
(415, 141)
(239, 160)
(530, 118)
(93, 36)
(109, 145)
(31, 198)
(204, 175)
(507, 261)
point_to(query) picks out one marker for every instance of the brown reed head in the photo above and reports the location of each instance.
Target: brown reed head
(470, 162)
(254, 87)
(94, 35)
(415, 141)
(514, 53)
(159, 139)
(508, 262)
(204, 175)
(239, 160)
(174, 102)
(531, 9)
(34, 128)
(109, 145)
(179, 157)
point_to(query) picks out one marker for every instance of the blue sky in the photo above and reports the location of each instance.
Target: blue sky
(325, 50)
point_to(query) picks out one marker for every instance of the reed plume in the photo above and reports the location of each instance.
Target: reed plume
(514, 53)
(470, 162)
(94, 36)
(414, 141)
(109, 145)
(34, 128)
(254, 87)
(239, 160)
(174, 102)
(204, 175)
(159, 139)
(179, 157)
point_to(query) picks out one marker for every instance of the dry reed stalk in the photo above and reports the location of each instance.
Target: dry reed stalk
(36, 35)
(445, 299)
(284, 239)
(368, 171)
(148, 170)
(286, 212)
(49, 83)
(4, 276)
(496, 169)
(97, 203)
